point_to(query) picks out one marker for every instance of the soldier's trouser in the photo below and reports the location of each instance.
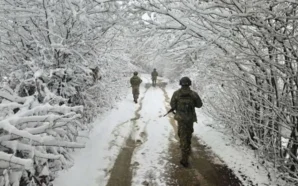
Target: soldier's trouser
(135, 92)
(154, 81)
(185, 130)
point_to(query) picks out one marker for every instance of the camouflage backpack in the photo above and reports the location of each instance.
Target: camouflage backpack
(135, 81)
(185, 107)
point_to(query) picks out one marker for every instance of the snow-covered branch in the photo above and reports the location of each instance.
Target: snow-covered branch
(9, 160)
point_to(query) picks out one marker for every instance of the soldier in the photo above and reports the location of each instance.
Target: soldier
(154, 75)
(184, 102)
(135, 82)
(94, 73)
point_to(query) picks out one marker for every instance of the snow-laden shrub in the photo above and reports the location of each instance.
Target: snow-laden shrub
(38, 131)
(58, 70)
(52, 107)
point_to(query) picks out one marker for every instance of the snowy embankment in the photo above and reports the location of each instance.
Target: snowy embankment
(235, 155)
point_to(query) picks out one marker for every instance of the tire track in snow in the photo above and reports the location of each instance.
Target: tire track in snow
(151, 156)
(121, 173)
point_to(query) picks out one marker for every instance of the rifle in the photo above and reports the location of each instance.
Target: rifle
(171, 110)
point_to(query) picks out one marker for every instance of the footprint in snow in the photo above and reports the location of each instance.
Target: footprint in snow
(135, 164)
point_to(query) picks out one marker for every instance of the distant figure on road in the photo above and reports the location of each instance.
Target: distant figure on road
(184, 102)
(135, 82)
(154, 75)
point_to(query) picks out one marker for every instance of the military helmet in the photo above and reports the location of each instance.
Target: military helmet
(135, 73)
(185, 81)
(154, 69)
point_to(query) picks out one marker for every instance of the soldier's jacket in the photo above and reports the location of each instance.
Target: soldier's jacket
(184, 102)
(135, 81)
(154, 75)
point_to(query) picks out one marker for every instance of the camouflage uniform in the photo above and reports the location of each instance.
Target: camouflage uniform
(135, 82)
(154, 75)
(185, 116)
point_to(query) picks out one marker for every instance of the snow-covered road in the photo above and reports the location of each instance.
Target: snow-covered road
(134, 145)
(152, 154)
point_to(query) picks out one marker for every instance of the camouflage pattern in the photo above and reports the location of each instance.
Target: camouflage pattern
(185, 117)
(185, 114)
(154, 75)
(135, 93)
(135, 82)
(185, 130)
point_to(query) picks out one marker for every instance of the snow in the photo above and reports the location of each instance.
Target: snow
(38, 74)
(105, 141)
(20, 146)
(152, 155)
(9, 160)
(235, 155)
(45, 171)
(7, 96)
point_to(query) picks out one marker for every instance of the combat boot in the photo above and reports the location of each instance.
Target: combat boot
(184, 160)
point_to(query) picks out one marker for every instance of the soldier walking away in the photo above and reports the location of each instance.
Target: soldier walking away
(135, 82)
(184, 102)
(154, 75)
